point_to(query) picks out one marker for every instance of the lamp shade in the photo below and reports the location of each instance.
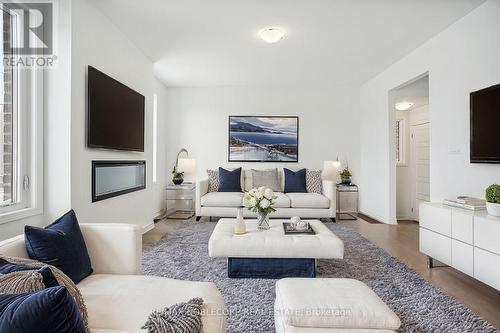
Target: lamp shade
(330, 170)
(187, 165)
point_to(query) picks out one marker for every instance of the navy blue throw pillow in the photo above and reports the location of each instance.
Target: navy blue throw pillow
(48, 278)
(295, 181)
(51, 310)
(60, 244)
(229, 181)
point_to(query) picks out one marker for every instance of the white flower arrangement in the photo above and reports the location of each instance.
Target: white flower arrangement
(260, 200)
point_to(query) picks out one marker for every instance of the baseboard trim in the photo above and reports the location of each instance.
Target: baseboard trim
(369, 219)
(148, 227)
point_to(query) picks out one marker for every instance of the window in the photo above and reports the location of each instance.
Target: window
(9, 117)
(20, 129)
(400, 142)
(155, 134)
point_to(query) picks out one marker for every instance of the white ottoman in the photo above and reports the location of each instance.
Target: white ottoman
(330, 306)
(271, 253)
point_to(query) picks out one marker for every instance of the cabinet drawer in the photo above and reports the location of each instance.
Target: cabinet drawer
(462, 257)
(435, 245)
(436, 218)
(487, 267)
(486, 233)
(462, 226)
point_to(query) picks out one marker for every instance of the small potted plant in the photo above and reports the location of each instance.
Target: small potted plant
(493, 199)
(345, 176)
(177, 177)
(261, 200)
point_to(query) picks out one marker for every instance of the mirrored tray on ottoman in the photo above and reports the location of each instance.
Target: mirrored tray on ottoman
(290, 230)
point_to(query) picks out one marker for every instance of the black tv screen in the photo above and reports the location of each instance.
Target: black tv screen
(484, 125)
(115, 114)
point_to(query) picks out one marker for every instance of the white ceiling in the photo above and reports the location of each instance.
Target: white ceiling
(215, 42)
(416, 92)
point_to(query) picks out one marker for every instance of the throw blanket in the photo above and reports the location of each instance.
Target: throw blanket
(30, 281)
(179, 318)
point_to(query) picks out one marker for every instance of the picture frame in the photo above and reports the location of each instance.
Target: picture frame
(263, 139)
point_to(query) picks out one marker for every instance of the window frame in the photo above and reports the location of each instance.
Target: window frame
(155, 138)
(400, 131)
(29, 163)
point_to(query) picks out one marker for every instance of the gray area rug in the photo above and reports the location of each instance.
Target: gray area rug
(183, 254)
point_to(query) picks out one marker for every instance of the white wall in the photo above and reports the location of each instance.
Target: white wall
(57, 125)
(403, 175)
(163, 169)
(461, 59)
(328, 122)
(56, 138)
(67, 161)
(97, 42)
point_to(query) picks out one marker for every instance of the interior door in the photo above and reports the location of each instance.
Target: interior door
(420, 146)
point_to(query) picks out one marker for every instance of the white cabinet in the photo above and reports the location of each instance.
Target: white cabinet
(435, 246)
(462, 226)
(468, 241)
(487, 267)
(487, 233)
(462, 257)
(436, 218)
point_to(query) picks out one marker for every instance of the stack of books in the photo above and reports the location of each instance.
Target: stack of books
(347, 187)
(466, 203)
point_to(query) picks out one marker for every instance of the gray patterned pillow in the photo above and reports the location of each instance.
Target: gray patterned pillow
(268, 178)
(314, 184)
(213, 180)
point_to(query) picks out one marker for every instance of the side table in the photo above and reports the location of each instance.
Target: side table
(347, 201)
(180, 201)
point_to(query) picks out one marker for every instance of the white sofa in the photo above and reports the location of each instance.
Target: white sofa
(118, 299)
(305, 205)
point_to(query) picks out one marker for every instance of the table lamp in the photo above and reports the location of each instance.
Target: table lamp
(188, 166)
(330, 170)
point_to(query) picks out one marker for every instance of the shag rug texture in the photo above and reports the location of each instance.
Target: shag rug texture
(422, 307)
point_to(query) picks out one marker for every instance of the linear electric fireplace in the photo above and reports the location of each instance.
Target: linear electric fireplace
(114, 178)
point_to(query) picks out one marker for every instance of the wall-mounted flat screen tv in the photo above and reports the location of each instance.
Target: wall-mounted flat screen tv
(115, 114)
(484, 121)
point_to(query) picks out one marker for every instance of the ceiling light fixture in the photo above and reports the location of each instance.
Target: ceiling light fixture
(403, 106)
(271, 35)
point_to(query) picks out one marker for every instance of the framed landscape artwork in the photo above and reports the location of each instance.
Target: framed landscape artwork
(263, 139)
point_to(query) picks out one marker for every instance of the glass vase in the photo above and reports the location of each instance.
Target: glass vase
(263, 221)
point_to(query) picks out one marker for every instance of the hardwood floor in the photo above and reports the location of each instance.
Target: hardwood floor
(401, 241)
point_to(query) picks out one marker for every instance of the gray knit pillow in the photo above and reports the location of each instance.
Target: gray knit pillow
(180, 317)
(268, 178)
(213, 180)
(314, 184)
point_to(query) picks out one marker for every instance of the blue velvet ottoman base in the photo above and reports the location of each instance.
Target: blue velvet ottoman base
(270, 268)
